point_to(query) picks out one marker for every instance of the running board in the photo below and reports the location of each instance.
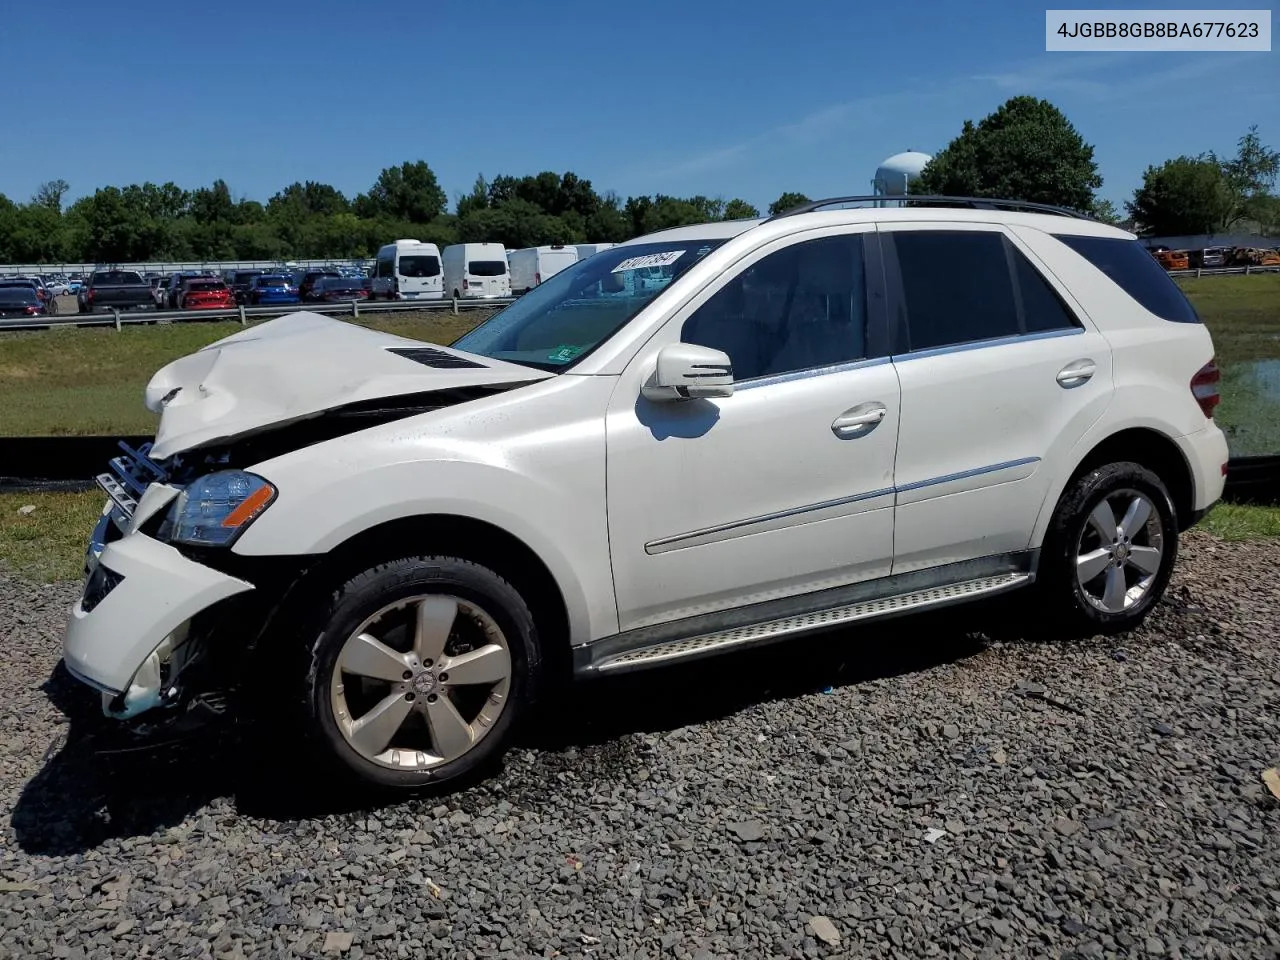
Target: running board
(770, 630)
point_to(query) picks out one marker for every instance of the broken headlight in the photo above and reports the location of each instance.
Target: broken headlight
(213, 510)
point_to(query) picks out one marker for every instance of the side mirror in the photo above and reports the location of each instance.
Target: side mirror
(687, 371)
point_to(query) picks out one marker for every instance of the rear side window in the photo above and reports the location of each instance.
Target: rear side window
(487, 268)
(956, 287)
(967, 286)
(419, 266)
(1136, 271)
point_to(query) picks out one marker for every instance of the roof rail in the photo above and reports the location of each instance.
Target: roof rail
(976, 203)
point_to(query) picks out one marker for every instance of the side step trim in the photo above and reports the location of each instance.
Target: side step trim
(768, 631)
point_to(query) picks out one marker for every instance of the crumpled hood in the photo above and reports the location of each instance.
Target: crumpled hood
(298, 366)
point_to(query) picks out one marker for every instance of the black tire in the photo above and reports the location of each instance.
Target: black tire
(1066, 608)
(342, 612)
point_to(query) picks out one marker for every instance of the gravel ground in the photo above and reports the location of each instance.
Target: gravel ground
(953, 796)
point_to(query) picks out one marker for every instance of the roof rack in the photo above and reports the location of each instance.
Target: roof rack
(976, 203)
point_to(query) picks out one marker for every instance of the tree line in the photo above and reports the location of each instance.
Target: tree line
(1025, 150)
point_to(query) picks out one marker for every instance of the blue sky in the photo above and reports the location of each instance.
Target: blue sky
(747, 99)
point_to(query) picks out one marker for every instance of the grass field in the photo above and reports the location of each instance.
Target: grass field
(48, 543)
(89, 381)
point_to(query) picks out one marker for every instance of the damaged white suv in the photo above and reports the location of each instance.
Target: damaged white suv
(697, 441)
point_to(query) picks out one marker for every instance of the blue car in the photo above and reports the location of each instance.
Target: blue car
(273, 288)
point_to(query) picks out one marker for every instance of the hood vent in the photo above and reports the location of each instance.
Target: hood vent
(430, 357)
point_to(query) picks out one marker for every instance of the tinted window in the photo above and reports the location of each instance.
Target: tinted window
(419, 266)
(487, 268)
(956, 287)
(108, 277)
(272, 281)
(206, 285)
(797, 309)
(1138, 274)
(384, 268)
(1042, 309)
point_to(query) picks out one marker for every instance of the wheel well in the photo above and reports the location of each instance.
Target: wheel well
(1158, 454)
(467, 539)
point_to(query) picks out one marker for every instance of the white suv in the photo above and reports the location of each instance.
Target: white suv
(826, 417)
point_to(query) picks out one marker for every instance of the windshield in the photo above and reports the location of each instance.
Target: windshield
(12, 293)
(204, 285)
(420, 266)
(566, 317)
(487, 268)
(273, 281)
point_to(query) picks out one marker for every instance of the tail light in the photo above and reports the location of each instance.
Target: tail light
(1204, 387)
(33, 311)
(89, 296)
(537, 279)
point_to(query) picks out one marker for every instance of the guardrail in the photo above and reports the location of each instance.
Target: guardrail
(353, 308)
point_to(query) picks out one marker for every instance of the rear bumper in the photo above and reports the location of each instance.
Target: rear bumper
(141, 597)
(1207, 455)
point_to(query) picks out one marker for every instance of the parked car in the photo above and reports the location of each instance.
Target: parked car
(308, 279)
(205, 293)
(269, 288)
(531, 266)
(407, 270)
(476, 271)
(241, 282)
(160, 291)
(337, 289)
(115, 290)
(178, 280)
(1173, 259)
(390, 548)
(19, 299)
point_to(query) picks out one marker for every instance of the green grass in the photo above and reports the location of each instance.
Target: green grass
(1243, 314)
(48, 544)
(90, 381)
(1235, 521)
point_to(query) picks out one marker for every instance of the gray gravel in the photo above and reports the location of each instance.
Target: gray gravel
(863, 795)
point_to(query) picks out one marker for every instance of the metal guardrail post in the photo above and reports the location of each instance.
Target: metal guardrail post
(455, 305)
(355, 308)
(116, 313)
(1246, 269)
(1197, 273)
(240, 307)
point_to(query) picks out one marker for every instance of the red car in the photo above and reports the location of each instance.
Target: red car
(206, 294)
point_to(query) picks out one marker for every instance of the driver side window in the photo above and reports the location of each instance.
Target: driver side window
(799, 308)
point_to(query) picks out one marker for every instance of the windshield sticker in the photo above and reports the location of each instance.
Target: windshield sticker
(664, 259)
(565, 353)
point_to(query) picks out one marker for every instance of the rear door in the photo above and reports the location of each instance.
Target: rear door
(1001, 373)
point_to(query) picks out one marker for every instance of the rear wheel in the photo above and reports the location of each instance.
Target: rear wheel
(418, 672)
(1110, 549)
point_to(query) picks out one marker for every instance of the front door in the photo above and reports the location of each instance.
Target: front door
(783, 488)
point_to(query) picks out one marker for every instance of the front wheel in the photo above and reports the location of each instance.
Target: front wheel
(418, 672)
(1109, 550)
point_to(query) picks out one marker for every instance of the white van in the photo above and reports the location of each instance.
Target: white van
(408, 270)
(474, 271)
(590, 249)
(534, 265)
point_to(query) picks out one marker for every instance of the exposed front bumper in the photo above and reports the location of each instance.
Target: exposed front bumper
(144, 599)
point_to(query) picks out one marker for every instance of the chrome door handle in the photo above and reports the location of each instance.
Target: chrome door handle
(1076, 373)
(858, 420)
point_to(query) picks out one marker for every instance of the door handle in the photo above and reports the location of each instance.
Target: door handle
(858, 420)
(1076, 373)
